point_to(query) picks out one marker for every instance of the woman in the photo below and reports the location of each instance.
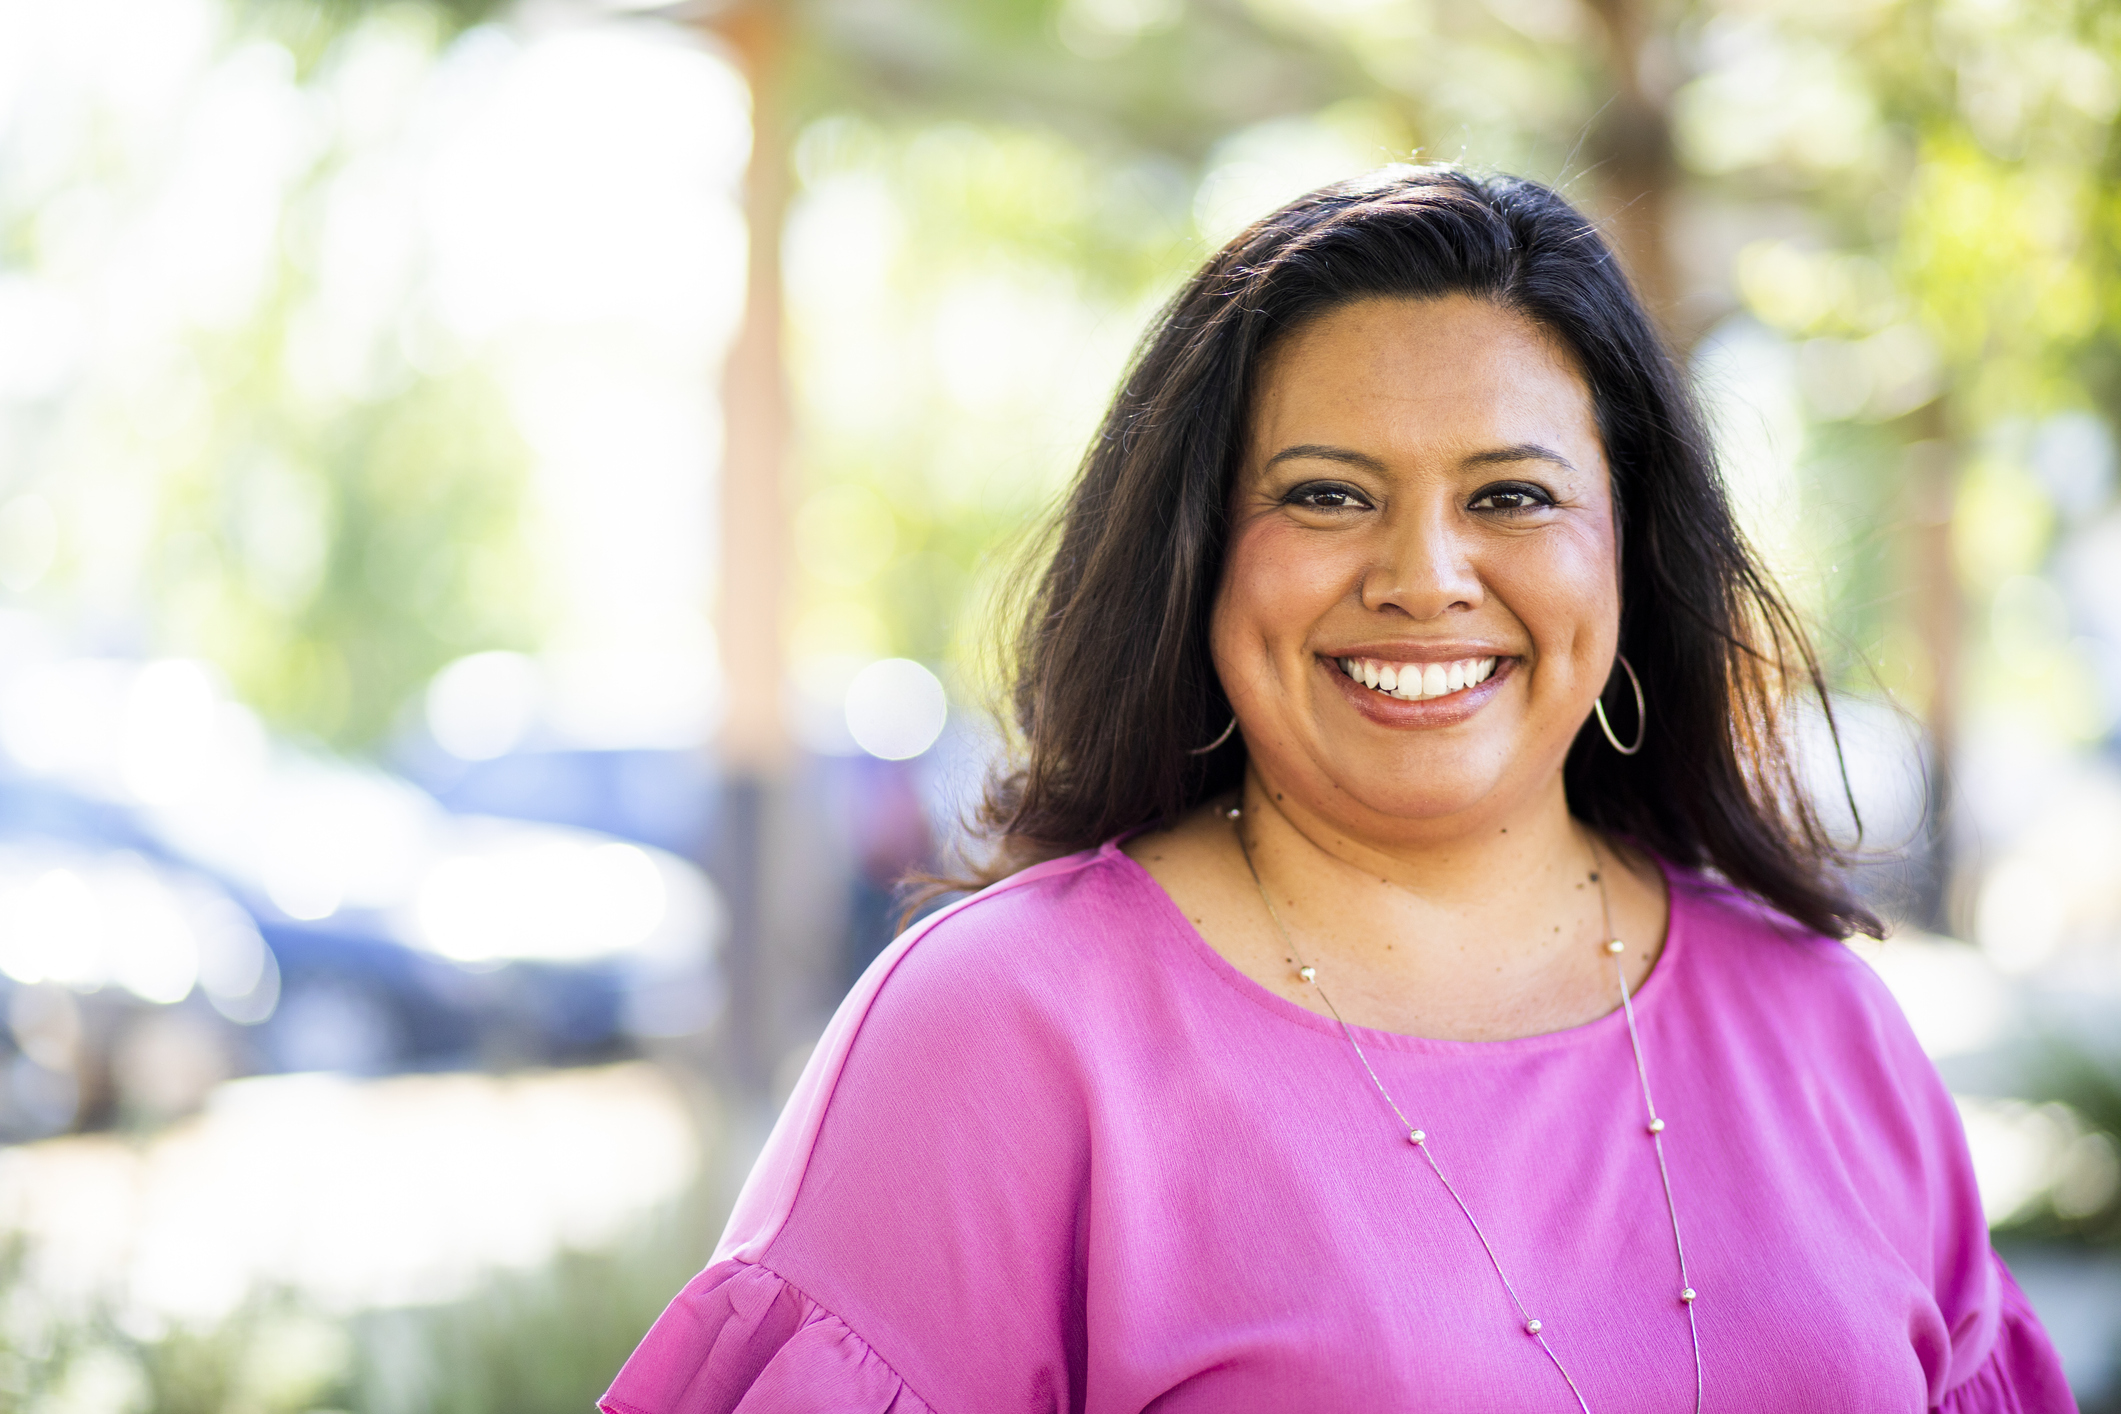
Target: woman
(1410, 976)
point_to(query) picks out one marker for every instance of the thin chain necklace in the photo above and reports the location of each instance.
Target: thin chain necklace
(1655, 1126)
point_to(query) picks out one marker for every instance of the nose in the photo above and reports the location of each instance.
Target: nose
(1423, 568)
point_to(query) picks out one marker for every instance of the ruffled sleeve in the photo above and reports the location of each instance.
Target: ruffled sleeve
(740, 1340)
(2022, 1374)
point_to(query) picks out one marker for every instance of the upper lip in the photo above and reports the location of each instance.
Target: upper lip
(1448, 651)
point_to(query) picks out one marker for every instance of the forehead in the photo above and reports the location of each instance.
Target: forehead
(1423, 377)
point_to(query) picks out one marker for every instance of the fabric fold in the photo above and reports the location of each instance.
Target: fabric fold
(2022, 1374)
(741, 1340)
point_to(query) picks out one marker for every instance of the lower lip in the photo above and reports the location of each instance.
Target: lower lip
(1444, 711)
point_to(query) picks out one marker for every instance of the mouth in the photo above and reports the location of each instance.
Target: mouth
(1417, 682)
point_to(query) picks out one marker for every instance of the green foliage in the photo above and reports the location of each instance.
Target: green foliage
(544, 1341)
(1004, 272)
(1861, 564)
(332, 563)
(2090, 1085)
(37, 1341)
(1945, 166)
(339, 495)
(309, 28)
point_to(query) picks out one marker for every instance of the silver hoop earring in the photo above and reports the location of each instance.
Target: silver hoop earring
(1204, 750)
(1642, 714)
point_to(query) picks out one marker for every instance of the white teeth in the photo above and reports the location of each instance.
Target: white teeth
(1416, 682)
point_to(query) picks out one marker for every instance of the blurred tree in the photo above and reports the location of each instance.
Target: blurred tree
(410, 484)
(1946, 271)
(1931, 187)
(340, 494)
(332, 561)
(310, 28)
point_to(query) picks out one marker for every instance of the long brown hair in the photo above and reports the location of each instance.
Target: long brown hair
(1112, 680)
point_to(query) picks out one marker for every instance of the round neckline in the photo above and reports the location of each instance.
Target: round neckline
(1644, 997)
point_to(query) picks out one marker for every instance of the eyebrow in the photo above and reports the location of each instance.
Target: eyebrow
(1319, 451)
(1497, 456)
(1521, 452)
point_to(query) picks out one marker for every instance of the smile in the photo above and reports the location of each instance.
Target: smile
(1417, 682)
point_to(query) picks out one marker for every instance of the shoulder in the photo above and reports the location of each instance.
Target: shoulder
(1090, 899)
(1810, 1033)
(927, 1172)
(1048, 939)
(1735, 941)
(978, 1021)
(1783, 1001)
(1805, 1018)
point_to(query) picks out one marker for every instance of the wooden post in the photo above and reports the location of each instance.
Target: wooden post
(1632, 148)
(1938, 618)
(752, 749)
(756, 421)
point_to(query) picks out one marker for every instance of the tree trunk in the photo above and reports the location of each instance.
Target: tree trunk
(752, 746)
(1930, 485)
(1631, 145)
(756, 421)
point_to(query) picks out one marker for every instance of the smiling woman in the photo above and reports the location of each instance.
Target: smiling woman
(1354, 1019)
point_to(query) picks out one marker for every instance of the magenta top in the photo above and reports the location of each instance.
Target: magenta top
(1056, 1153)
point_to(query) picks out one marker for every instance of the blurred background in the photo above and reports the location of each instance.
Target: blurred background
(500, 505)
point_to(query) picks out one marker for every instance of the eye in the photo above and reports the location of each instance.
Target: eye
(1325, 496)
(1511, 497)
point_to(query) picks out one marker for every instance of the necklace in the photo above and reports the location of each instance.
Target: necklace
(1419, 1138)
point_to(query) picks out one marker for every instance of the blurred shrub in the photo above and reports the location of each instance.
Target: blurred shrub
(535, 1342)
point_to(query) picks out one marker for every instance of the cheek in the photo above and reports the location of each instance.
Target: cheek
(1277, 581)
(1565, 591)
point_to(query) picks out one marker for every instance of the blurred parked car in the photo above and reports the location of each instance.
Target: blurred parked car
(184, 899)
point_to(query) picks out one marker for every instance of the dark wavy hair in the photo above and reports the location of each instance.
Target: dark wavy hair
(1112, 680)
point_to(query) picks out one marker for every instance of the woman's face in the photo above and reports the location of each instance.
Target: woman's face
(1424, 506)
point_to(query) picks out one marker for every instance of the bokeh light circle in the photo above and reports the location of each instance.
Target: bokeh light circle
(896, 709)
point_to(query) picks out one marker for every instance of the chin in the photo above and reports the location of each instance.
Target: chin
(1407, 792)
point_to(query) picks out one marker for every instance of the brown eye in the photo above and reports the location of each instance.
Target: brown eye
(1514, 496)
(1324, 496)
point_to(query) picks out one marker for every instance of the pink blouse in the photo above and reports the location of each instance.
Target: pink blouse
(1056, 1153)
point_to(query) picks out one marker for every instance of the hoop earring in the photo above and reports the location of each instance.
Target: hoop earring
(1204, 750)
(1642, 714)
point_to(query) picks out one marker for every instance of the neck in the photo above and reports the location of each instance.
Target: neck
(1468, 868)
